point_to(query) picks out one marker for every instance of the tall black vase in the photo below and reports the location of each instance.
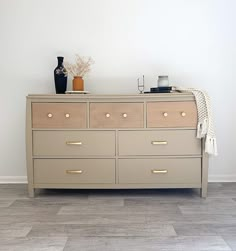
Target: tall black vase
(60, 77)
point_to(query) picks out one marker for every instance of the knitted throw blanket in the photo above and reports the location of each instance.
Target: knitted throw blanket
(205, 127)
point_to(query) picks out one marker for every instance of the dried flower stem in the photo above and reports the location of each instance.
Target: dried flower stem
(81, 66)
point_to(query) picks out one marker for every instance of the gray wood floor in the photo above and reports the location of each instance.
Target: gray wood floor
(112, 220)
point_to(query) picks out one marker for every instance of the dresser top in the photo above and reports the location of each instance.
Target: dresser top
(86, 97)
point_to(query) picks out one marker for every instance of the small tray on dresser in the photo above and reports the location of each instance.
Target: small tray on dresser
(77, 92)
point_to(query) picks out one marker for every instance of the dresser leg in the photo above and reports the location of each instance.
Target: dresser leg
(31, 192)
(203, 191)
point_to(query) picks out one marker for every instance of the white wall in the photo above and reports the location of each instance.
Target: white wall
(193, 41)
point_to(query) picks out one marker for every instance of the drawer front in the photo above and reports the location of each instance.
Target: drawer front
(73, 143)
(163, 142)
(154, 171)
(172, 114)
(74, 171)
(59, 115)
(116, 115)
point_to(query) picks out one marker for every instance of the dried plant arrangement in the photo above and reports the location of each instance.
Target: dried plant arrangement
(81, 66)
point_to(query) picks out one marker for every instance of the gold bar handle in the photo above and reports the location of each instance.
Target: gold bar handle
(159, 142)
(74, 143)
(159, 171)
(74, 171)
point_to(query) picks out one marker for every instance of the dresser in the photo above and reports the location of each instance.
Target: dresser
(114, 142)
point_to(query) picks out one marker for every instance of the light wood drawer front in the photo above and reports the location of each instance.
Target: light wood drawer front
(74, 171)
(154, 171)
(172, 114)
(163, 142)
(116, 115)
(59, 115)
(73, 143)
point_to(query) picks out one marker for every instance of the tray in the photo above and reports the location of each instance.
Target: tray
(77, 92)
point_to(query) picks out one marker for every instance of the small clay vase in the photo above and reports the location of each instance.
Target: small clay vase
(78, 83)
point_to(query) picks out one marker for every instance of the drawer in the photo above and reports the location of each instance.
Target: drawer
(72, 171)
(116, 115)
(159, 171)
(73, 143)
(172, 114)
(59, 115)
(162, 142)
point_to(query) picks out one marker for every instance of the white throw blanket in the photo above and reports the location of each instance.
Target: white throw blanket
(205, 127)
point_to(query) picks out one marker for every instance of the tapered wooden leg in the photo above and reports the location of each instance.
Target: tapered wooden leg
(203, 192)
(31, 191)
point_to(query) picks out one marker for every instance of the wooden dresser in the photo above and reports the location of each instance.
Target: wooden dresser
(114, 141)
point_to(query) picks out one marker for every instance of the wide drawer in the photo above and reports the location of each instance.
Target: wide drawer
(58, 115)
(74, 171)
(159, 171)
(172, 114)
(162, 142)
(73, 143)
(116, 115)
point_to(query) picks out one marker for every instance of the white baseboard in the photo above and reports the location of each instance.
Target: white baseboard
(13, 179)
(23, 179)
(222, 178)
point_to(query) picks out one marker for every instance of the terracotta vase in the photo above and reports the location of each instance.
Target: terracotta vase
(78, 83)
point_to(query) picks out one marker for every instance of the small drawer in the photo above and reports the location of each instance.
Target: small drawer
(116, 115)
(59, 115)
(162, 142)
(172, 114)
(73, 143)
(74, 171)
(160, 171)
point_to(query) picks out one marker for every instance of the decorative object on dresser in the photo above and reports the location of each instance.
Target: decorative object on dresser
(78, 70)
(114, 141)
(78, 83)
(163, 81)
(162, 86)
(141, 86)
(60, 77)
(167, 89)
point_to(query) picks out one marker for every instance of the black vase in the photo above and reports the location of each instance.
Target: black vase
(60, 77)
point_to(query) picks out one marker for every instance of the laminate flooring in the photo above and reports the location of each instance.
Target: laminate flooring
(118, 220)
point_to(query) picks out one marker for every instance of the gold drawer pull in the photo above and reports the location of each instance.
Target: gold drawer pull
(183, 114)
(74, 171)
(159, 142)
(165, 114)
(108, 115)
(49, 115)
(74, 143)
(125, 115)
(67, 115)
(160, 171)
